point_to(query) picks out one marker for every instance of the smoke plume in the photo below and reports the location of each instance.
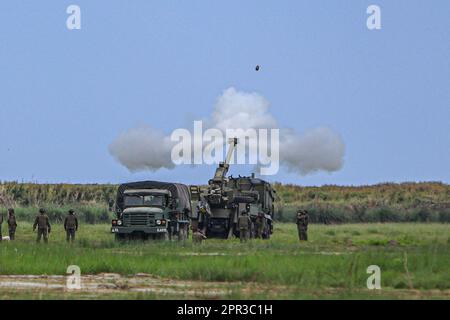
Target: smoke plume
(143, 148)
(318, 149)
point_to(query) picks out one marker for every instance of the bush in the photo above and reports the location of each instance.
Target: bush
(388, 202)
(383, 214)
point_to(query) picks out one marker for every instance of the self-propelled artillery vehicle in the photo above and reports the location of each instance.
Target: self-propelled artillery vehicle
(220, 204)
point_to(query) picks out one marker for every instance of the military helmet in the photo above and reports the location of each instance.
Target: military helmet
(71, 211)
(11, 210)
(41, 210)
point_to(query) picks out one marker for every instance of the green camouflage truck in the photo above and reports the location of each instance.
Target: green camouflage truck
(152, 210)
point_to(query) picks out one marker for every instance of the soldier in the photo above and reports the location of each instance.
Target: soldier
(197, 236)
(244, 223)
(111, 205)
(203, 212)
(302, 225)
(43, 225)
(1, 221)
(12, 224)
(71, 226)
(259, 224)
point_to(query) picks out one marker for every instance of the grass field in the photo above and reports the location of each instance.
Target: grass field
(414, 261)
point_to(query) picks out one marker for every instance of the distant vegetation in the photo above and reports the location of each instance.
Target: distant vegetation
(406, 202)
(90, 201)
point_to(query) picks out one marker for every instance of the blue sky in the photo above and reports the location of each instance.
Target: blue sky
(66, 95)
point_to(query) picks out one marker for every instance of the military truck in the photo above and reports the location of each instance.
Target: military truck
(152, 209)
(220, 204)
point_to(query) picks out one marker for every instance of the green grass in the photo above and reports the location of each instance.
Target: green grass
(335, 258)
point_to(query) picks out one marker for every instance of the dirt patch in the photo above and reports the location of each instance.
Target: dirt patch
(110, 283)
(115, 285)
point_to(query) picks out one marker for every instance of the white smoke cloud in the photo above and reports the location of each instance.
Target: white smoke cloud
(143, 148)
(319, 149)
(241, 110)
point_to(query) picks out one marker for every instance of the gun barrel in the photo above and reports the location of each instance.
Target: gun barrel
(233, 142)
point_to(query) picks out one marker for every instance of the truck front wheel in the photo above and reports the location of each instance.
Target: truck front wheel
(120, 237)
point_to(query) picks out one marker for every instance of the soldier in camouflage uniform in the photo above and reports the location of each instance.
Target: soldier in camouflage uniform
(43, 225)
(197, 236)
(111, 205)
(71, 226)
(203, 213)
(12, 224)
(259, 224)
(244, 223)
(1, 221)
(302, 225)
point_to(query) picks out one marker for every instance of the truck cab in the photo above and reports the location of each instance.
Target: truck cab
(151, 210)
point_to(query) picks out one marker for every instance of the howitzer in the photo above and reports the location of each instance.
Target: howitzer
(222, 201)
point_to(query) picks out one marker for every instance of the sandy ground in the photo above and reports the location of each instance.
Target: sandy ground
(110, 285)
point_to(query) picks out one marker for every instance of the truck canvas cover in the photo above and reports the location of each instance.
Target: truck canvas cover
(178, 191)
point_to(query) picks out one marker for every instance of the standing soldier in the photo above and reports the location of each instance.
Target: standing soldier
(43, 225)
(203, 214)
(244, 223)
(111, 205)
(302, 225)
(1, 221)
(71, 226)
(259, 225)
(12, 224)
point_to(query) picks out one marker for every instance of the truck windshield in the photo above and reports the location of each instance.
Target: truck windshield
(145, 200)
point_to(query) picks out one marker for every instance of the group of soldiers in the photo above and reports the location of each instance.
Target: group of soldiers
(245, 224)
(42, 224)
